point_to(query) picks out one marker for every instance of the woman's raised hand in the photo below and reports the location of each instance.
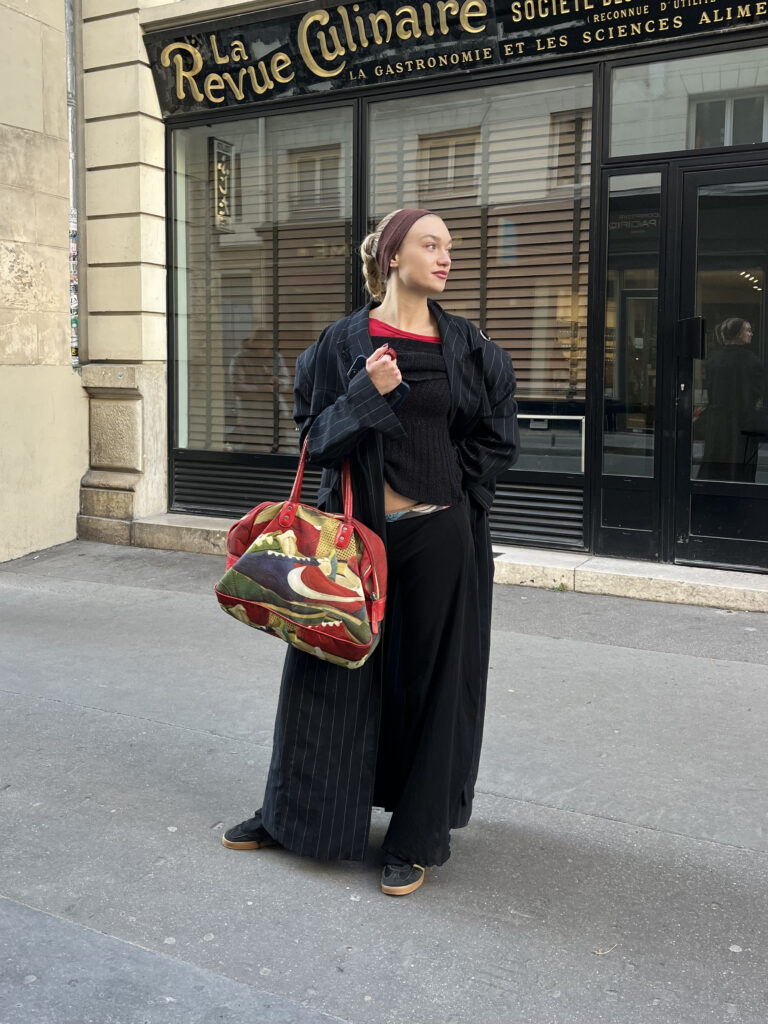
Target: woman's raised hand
(383, 371)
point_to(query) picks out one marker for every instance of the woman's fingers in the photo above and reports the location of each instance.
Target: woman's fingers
(380, 353)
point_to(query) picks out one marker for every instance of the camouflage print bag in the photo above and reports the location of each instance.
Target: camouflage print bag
(315, 579)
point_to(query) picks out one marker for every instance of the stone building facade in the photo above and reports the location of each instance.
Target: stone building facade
(43, 408)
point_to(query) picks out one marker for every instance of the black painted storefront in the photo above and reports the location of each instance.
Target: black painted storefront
(708, 216)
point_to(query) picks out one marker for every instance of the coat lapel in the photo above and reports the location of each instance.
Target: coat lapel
(355, 340)
(459, 345)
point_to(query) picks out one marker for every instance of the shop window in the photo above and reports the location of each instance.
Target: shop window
(448, 164)
(631, 325)
(315, 177)
(520, 232)
(257, 279)
(675, 105)
(728, 121)
(568, 137)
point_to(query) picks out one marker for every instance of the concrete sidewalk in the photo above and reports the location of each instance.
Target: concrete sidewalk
(528, 567)
(615, 869)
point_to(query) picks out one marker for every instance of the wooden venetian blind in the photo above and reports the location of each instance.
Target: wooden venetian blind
(260, 290)
(509, 173)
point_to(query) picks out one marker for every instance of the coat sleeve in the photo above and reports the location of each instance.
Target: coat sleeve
(494, 443)
(334, 423)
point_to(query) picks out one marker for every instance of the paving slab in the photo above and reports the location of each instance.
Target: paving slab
(75, 975)
(615, 868)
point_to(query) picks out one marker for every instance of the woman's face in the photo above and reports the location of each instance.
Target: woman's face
(424, 259)
(745, 334)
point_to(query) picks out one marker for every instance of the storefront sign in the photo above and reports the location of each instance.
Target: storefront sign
(377, 41)
(223, 185)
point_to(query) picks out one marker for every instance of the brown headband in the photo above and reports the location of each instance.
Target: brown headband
(393, 233)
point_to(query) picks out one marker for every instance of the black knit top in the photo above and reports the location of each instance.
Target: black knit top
(424, 464)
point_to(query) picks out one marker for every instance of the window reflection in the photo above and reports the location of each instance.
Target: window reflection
(690, 103)
(254, 290)
(508, 167)
(631, 323)
(730, 414)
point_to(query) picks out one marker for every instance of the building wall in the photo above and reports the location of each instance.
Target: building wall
(123, 165)
(43, 408)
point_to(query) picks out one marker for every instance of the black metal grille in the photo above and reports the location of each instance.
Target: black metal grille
(536, 515)
(527, 514)
(210, 489)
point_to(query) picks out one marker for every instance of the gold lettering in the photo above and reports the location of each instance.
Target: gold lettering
(181, 74)
(237, 89)
(472, 9)
(429, 28)
(280, 61)
(360, 27)
(351, 45)
(338, 49)
(215, 50)
(408, 24)
(320, 18)
(442, 7)
(374, 20)
(213, 82)
(266, 83)
(238, 50)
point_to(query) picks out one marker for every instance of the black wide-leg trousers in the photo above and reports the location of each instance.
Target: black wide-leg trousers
(431, 682)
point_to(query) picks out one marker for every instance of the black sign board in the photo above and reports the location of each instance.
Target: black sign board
(370, 42)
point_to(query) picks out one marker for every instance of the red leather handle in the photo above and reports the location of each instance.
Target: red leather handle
(295, 497)
(346, 490)
(288, 513)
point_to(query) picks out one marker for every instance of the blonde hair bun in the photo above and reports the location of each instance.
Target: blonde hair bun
(375, 280)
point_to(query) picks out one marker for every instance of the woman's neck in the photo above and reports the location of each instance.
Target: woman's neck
(408, 313)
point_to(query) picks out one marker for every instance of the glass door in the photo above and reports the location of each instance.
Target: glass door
(721, 501)
(628, 521)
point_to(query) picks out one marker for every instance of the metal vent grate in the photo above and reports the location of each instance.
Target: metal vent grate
(541, 516)
(222, 489)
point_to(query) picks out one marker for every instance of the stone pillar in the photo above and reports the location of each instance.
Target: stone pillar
(124, 218)
(43, 408)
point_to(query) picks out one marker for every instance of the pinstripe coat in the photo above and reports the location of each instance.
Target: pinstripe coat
(320, 787)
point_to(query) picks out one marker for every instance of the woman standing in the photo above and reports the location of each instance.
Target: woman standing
(404, 731)
(735, 380)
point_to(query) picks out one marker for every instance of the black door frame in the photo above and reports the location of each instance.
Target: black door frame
(686, 548)
(618, 541)
(668, 490)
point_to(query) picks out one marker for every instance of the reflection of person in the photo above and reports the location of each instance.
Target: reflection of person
(252, 383)
(734, 378)
(403, 731)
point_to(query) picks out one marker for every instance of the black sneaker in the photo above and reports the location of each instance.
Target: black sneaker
(248, 835)
(400, 879)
